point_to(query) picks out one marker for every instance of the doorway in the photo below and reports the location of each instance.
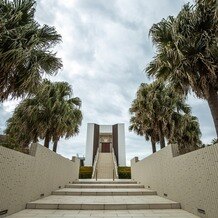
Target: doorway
(105, 147)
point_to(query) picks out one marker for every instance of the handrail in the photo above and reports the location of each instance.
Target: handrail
(115, 170)
(95, 165)
(96, 174)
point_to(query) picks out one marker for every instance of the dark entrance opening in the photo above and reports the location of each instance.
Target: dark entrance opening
(105, 148)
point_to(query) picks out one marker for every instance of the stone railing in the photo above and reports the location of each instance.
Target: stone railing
(115, 172)
(95, 164)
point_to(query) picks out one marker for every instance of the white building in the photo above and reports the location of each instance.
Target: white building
(105, 138)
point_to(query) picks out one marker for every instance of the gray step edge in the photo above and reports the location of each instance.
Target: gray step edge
(103, 206)
(103, 186)
(94, 193)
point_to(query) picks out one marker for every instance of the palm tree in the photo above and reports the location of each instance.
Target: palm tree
(25, 49)
(63, 109)
(158, 113)
(69, 125)
(214, 141)
(187, 52)
(49, 114)
(22, 126)
(141, 127)
(145, 108)
(187, 134)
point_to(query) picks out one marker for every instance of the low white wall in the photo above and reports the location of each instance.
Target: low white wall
(191, 179)
(25, 178)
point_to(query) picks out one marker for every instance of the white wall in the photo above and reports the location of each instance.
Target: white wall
(121, 145)
(105, 129)
(89, 144)
(191, 179)
(24, 177)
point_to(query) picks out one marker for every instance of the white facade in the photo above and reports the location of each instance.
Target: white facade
(89, 144)
(105, 129)
(115, 136)
(121, 145)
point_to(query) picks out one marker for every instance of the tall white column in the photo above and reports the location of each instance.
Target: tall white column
(89, 144)
(121, 145)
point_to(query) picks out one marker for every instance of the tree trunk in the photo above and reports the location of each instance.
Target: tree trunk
(213, 104)
(55, 145)
(162, 141)
(25, 144)
(161, 136)
(35, 140)
(153, 146)
(47, 140)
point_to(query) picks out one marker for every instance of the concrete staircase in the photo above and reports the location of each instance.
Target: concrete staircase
(105, 166)
(104, 198)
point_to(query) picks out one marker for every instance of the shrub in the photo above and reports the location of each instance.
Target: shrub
(85, 172)
(124, 172)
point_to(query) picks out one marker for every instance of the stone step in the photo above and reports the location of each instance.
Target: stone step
(103, 192)
(106, 174)
(90, 186)
(104, 181)
(28, 213)
(105, 166)
(103, 203)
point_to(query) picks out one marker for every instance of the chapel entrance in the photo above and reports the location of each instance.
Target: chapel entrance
(105, 147)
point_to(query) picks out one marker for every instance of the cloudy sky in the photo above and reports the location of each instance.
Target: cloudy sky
(105, 49)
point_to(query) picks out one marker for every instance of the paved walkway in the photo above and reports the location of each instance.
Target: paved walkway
(173, 213)
(105, 198)
(105, 166)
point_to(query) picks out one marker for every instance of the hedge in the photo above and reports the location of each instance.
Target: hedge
(124, 172)
(85, 172)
